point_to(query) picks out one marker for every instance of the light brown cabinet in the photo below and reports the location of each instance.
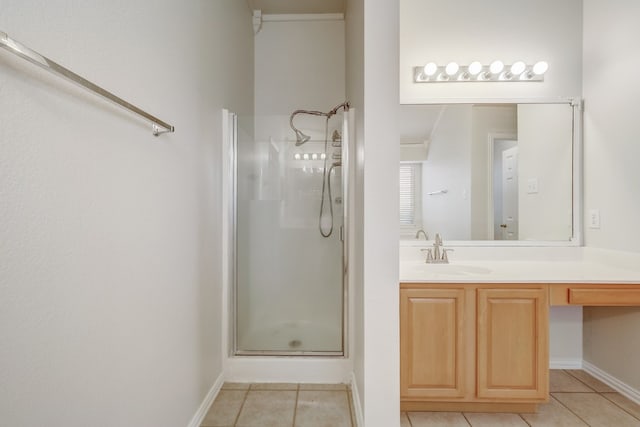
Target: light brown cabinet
(596, 294)
(473, 347)
(434, 331)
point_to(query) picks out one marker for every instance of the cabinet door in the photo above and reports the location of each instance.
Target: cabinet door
(432, 336)
(512, 353)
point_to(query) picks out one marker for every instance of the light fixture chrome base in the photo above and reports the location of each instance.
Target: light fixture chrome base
(463, 75)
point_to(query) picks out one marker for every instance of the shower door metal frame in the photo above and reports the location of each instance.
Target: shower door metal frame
(233, 258)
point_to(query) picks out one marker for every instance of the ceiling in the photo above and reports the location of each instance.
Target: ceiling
(417, 122)
(276, 7)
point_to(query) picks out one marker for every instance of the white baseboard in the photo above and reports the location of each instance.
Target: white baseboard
(564, 363)
(355, 404)
(612, 382)
(206, 403)
(255, 369)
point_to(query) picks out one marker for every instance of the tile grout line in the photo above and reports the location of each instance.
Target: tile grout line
(295, 407)
(465, 418)
(601, 393)
(604, 395)
(574, 392)
(525, 421)
(566, 371)
(246, 393)
(409, 418)
(570, 410)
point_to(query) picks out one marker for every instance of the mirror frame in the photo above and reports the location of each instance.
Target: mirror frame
(577, 176)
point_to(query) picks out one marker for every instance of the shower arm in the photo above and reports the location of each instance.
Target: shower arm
(311, 112)
(344, 105)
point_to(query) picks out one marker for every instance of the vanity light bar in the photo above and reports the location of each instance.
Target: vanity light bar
(497, 71)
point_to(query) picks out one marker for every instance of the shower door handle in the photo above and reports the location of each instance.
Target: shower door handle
(342, 233)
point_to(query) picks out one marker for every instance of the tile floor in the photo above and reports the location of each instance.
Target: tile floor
(577, 400)
(281, 405)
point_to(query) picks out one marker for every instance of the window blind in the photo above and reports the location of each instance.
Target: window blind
(408, 191)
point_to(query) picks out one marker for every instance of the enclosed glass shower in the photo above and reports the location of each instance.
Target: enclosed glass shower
(289, 199)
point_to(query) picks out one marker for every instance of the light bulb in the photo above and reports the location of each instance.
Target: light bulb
(518, 68)
(323, 156)
(540, 68)
(305, 156)
(314, 156)
(452, 68)
(430, 69)
(496, 67)
(474, 68)
(296, 156)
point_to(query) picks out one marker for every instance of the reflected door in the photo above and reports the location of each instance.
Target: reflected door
(510, 194)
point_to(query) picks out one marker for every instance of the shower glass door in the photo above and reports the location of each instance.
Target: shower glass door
(289, 290)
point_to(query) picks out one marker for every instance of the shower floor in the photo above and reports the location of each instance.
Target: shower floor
(293, 337)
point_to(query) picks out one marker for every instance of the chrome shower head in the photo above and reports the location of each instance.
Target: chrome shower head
(301, 138)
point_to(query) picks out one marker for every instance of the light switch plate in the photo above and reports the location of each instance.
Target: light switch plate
(532, 185)
(594, 218)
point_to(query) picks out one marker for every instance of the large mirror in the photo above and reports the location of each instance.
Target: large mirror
(487, 172)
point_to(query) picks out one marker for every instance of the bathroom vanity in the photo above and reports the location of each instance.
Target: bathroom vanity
(467, 346)
(474, 334)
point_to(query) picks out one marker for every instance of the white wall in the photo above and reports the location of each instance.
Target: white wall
(545, 151)
(372, 48)
(611, 150)
(110, 294)
(611, 173)
(300, 65)
(509, 30)
(380, 214)
(449, 168)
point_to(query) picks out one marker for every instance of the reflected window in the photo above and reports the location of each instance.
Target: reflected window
(410, 196)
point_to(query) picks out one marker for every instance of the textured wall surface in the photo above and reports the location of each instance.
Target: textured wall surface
(611, 173)
(109, 237)
(509, 30)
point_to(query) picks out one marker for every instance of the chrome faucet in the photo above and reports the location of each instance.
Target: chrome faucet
(426, 237)
(434, 256)
(436, 247)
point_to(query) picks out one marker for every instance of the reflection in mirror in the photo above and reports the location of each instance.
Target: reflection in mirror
(487, 171)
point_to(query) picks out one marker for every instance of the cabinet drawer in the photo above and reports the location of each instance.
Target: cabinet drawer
(604, 296)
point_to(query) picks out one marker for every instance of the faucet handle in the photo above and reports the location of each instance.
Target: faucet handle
(429, 254)
(438, 239)
(445, 258)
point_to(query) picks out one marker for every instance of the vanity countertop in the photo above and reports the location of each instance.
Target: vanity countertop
(540, 265)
